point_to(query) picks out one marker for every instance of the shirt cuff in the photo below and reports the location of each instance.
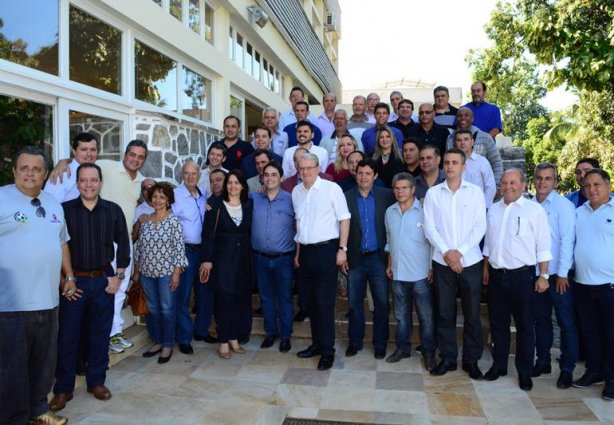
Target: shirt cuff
(544, 256)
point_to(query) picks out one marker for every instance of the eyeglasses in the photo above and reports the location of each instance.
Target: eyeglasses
(400, 188)
(40, 211)
(305, 169)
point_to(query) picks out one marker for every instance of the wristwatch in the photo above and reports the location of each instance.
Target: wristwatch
(343, 248)
(545, 276)
(120, 275)
(71, 278)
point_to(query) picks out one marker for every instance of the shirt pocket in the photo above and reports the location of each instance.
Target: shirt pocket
(519, 226)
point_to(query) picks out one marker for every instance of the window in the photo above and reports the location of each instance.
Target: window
(277, 88)
(271, 85)
(231, 44)
(239, 51)
(175, 8)
(248, 59)
(208, 23)
(196, 95)
(156, 77)
(256, 68)
(95, 52)
(29, 34)
(194, 15)
(107, 130)
(265, 73)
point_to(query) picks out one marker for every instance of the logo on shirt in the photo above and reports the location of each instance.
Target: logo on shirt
(20, 217)
(54, 219)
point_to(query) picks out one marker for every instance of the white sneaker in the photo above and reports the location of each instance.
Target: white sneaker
(123, 341)
(115, 346)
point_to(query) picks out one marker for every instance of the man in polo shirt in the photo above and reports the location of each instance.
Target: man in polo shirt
(445, 114)
(487, 115)
(273, 231)
(431, 174)
(382, 112)
(301, 111)
(594, 287)
(427, 131)
(95, 225)
(322, 228)
(279, 139)
(262, 141)
(215, 158)
(236, 149)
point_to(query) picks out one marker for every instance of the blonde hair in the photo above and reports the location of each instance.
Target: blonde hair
(340, 161)
(395, 147)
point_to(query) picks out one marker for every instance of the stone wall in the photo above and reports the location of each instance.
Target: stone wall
(513, 157)
(171, 143)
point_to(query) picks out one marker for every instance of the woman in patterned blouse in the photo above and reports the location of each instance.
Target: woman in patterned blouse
(159, 258)
(227, 260)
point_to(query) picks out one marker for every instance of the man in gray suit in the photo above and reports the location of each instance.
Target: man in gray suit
(366, 258)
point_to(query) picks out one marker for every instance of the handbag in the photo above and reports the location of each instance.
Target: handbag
(136, 299)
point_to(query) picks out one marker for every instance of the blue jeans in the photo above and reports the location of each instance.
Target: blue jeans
(369, 268)
(161, 302)
(566, 319)
(403, 294)
(185, 327)
(28, 348)
(274, 277)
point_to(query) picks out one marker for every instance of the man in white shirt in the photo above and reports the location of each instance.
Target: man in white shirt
(215, 157)
(372, 100)
(325, 121)
(304, 138)
(322, 226)
(477, 168)
(454, 223)
(518, 239)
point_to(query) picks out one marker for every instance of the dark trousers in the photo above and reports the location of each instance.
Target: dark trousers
(566, 319)
(231, 313)
(96, 307)
(27, 359)
(595, 305)
(469, 285)
(318, 277)
(512, 294)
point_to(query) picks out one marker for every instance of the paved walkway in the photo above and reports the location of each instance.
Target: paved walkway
(263, 386)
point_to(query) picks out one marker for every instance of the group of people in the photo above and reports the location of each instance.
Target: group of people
(420, 209)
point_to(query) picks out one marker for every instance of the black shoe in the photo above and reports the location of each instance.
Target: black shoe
(268, 342)
(186, 348)
(397, 356)
(300, 316)
(311, 351)
(151, 353)
(444, 367)
(588, 379)
(243, 339)
(207, 338)
(163, 360)
(525, 382)
(565, 380)
(284, 345)
(419, 349)
(351, 351)
(494, 373)
(326, 362)
(608, 391)
(541, 369)
(473, 370)
(380, 353)
(258, 311)
(429, 363)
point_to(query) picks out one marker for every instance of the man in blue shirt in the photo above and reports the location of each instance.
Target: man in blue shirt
(579, 197)
(301, 112)
(273, 232)
(262, 140)
(487, 115)
(594, 281)
(561, 218)
(369, 137)
(367, 258)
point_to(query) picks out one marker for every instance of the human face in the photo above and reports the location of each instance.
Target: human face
(30, 173)
(442, 98)
(544, 181)
(303, 135)
(145, 186)
(597, 189)
(580, 172)
(308, 170)
(191, 175)
(297, 155)
(216, 182)
(340, 121)
(301, 112)
(511, 186)
(271, 178)
(233, 186)
(262, 139)
(345, 147)
(231, 129)
(464, 142)
(403, 191)
(372, 100)
(295, 96)
(395, 98)
(329, 102)
(426, 113)
(365, 177)
(215, 157)
(452, 165)
(86, 152)
(381, 116)
(89, 184)
(269, 119)
(353, 160)
(261, 162)
(359, 105)
(411, 153)
(405, 110)
(384, 141)
(159, 201)
(429, 161)
(477, 92)
(135, 159)
(464, 118)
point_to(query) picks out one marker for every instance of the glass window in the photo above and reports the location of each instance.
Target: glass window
(208, 23)
(248, 59)
(175, 7)
(239, 51)
(265, 72)
(107, 130)
(231, 45)
(156, 77)
(196, 95)
(23, 123)
(271, 85)
(29, 33)
(194, 15)
(277, 82)
(95, 52)
(158, 2)
(256, 68)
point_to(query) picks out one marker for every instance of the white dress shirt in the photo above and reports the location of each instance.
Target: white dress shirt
(518, 234)
(190, 211)
(67, 190)
(479, 172)
(288, 162)
(318, 211)
(455, 220)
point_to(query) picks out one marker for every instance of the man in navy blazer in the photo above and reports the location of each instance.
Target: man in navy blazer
(366, 258)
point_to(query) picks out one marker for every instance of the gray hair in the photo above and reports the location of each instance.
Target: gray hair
(341, 111)
(404, 176)
(396, 92)
(269, 109)
(312, 157)
(190, 161)
(546, 166)
(521, 173)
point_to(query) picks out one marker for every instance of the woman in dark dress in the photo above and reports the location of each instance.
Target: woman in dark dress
(226, 262)
(388, 157)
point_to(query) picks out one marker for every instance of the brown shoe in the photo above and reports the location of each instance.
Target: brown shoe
(100, 392)
(58, 402)
(48, 418)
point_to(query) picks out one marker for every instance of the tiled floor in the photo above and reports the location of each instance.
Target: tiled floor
(263, 386)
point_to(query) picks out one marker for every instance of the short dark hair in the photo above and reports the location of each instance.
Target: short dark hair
(86, 165)
(231, 117)
(480, 82)
(463, 131)
(413, 140)
(304, 124)
(361, 153)
(302, 102)
(217, 170)
(166, 189)
(592, 161)
(31, 150)
(441, 88)
(266, 152)
(84, 137)
(261, 127)
(409, 102)
(604, 174)
(382, 105)
(242, 181)
(138, 144)
(457, 151)
(297, 88)
(275, 165)
(435, 149)
(368, 162)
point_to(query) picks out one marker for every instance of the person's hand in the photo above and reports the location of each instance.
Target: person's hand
(112, 285)
(205, 271)
(208, 207)
(485, 274)
(342, 261)
(562, 284)
(175, 279)
(144, 217)
(389, 273)
(452, 256)
(59, 170)
(541, 285)
(456, 267)
(135, 276)
(343, 268)
(70, 291)
(297, 264)
(430, 277)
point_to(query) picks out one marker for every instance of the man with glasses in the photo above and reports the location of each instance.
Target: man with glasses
(372, 100)
(34, 246)
(428, 132)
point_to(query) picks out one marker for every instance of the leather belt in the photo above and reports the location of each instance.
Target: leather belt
(519, 269)
(92, 274)
(312, 245)
(369, 253)
(192, 246)
(271, 256)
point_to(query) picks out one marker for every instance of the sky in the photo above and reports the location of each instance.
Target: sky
(428, 40)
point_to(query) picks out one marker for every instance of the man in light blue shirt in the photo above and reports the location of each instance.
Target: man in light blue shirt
(561, 218)
(594, 281)
(409, 268)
